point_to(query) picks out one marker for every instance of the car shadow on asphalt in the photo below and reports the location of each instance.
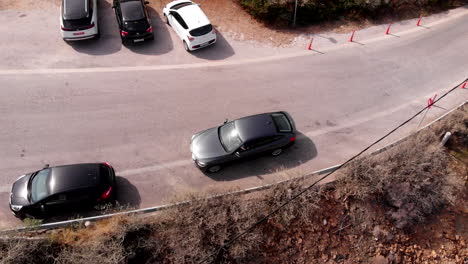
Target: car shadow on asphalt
(218, 51)
(162, 42)
(302, 151)
(109, 42)
(127, 197)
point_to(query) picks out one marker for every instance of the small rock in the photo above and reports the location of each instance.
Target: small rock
(324, 221)
(324, 257)
(398, 258)
(87, 223)
(450, 237)
(379, 260)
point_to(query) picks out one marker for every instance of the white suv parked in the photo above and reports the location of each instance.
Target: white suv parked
(78, 19)
(190, 23)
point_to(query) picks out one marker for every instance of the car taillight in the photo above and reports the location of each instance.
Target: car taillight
(190, 38)
(292, 139)
(90, 26)
(123, 33)
(107, 164)
(107, 193)
(150, 29)
(66, 29)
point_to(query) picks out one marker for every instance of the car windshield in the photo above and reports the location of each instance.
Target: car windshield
(281, 122)
(229, 136)
(132, 10)
(178, 6)
(39, 188)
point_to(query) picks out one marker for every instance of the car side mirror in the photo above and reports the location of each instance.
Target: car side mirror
(225, 121)
(46, 166)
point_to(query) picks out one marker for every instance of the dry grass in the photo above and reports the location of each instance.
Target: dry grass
(411, 180)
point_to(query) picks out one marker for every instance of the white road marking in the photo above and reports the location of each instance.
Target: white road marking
(5, 189)
(310, 134)
(156, 167)
(213, 64)
(359, 121)
(313, 133)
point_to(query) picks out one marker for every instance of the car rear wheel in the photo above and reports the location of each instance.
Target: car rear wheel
(276, 152)
(124, 42)
(186, 46)
(20, 215)
(214, 169)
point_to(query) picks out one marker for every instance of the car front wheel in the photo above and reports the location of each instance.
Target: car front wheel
(186, 46)
(214, 169)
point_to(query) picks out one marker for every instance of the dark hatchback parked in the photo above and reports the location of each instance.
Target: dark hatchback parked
(242, 138)
(134, 23)
(56, 189)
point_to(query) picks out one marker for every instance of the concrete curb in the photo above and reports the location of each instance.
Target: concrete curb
(240, 192)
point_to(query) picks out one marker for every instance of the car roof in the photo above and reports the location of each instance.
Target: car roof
(255, 126)
(75, 9)
(193, 16)
(70, 177)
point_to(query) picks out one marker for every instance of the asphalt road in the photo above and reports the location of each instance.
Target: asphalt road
(139, 115)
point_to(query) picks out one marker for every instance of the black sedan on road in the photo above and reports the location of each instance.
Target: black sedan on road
(242, 138)
(133, 19)
(55, 189)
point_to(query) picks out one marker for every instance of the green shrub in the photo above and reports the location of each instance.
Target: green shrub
(280, 12)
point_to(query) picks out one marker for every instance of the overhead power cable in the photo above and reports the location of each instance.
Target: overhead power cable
(294, 197)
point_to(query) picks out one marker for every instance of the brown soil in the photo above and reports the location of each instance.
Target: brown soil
(331, 237)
